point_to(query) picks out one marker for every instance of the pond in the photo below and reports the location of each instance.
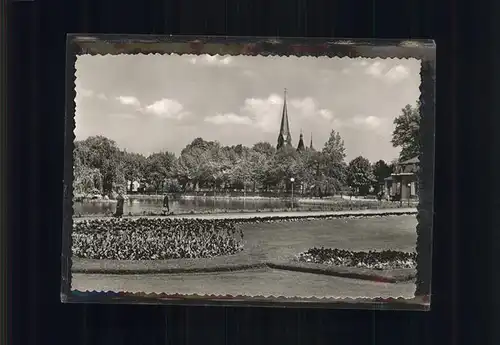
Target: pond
(141, 206)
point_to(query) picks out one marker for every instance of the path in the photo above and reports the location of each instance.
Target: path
(263, 282)
(291, 214)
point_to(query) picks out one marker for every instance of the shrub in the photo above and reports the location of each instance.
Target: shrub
(387, 259)
(155, 238)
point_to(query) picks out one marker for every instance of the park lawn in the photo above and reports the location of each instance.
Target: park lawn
(284, 240)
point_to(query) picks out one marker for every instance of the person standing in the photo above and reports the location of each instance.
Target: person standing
(166, 207)
(119, 205)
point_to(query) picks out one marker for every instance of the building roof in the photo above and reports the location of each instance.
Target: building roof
(414, 160)
(300, 146)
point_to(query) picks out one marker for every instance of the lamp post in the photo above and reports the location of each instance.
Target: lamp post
(409, 193)
(292, 180)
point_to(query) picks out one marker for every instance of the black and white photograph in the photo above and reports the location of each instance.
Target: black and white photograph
(252, 176)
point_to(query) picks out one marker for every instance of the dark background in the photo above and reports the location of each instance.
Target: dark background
(463, 291)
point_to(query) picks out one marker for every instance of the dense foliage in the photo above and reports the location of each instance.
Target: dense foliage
(100, 167)
(155, 238)
(406, 133)
(387, 259)
(360, 175)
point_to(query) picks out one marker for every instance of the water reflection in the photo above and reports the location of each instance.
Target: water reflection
(139, 206)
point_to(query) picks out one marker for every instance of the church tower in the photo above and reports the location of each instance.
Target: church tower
(311, 144)
(284, 136)
(300, 146)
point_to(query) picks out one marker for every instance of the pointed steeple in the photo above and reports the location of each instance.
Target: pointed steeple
(284, 136)
(300, 146)
(311, 144)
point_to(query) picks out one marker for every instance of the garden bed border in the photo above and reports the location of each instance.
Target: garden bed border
(132, 267)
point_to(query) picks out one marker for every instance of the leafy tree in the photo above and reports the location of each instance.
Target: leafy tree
(238, 173)
(310, 172)
(172, 185)
(360, 176)
(380, 171)
(264, 148)
(200, 144)
(119, 182)
(247, 169)
(282, 167)
(406, 134)
(334, 147)
(101, 153)
(332, 168)
(86, 180)
(217, 166)
(193, 166)
(256, 163)
(134, 167)
(158, 168)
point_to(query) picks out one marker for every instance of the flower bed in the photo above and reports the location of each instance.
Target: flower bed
(381, 260)
(155, 239)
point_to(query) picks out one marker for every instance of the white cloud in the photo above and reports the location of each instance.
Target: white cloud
(167, 108)
(373, 121)
(397, 73)
(375, 69)
(266, 113)
(102, 96)
(213, 60)
(369, 122)
(86, 93)
(326, 114)
(129, 100)
(228, 118)
(306, 106)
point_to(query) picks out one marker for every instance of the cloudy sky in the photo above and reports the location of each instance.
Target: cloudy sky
(150, 103)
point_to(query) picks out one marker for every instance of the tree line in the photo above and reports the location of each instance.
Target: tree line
(101, 167)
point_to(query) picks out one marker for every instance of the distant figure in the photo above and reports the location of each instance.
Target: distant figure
(380, 195)
(119, 206)
(166, 208)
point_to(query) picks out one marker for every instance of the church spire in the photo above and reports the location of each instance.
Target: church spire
(284, 136)
(301, 146)
(311, 144)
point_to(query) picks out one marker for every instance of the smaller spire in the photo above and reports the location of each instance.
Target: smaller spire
(301, 146)
(311, 144)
